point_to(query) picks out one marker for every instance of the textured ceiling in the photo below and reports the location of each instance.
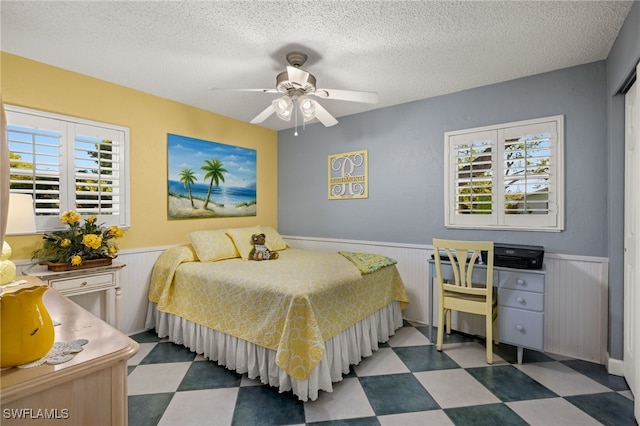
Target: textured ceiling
(404, 50)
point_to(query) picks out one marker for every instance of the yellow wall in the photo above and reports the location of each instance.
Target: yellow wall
(35, 85)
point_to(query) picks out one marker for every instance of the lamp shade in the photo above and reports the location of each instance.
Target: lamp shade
(283, 107)
(307, 107)
(21, 218)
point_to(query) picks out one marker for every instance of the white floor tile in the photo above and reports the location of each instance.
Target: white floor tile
(561, 379)
(551, 411)
(455, 388)
(157, 378)
(384, 361)
(201, 407)
(348, 400)
(144, 350)
(434, 417)
(470, 354)
(408, 336)
(627, 394)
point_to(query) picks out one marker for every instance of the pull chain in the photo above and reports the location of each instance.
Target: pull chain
(295, 111)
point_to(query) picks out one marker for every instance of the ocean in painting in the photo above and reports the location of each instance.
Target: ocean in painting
(229, 196)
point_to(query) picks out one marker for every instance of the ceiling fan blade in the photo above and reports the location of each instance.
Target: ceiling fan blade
(245, 90)
(347, 95)
(323, 116)
(298, 76)
(263, 115)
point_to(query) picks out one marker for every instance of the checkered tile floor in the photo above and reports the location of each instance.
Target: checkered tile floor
(406, 382)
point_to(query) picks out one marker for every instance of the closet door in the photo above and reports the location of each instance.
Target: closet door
(631, 242)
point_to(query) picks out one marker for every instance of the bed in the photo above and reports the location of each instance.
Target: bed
(297, 322)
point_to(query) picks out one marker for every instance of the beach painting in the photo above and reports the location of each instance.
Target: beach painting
(209, 179)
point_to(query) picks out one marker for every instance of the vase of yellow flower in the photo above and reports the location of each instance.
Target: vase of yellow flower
(81, 246)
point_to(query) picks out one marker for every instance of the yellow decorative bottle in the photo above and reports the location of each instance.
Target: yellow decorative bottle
(26, 329)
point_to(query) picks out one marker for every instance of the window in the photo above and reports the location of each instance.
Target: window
(69, 164)
(508, 176)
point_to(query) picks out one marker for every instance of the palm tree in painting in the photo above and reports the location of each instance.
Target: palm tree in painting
(188, 178)
(215, 172)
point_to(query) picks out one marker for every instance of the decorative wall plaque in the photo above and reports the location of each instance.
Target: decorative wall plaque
(348, 175)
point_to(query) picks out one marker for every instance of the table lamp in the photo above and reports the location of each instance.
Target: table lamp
(21, 219)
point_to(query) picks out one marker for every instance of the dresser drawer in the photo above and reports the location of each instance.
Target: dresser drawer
(522, 281)
(521, 299)
(520, 327)
(84, 283)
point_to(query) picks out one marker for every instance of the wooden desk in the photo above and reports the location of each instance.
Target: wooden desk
(90, 389)
(520, 303)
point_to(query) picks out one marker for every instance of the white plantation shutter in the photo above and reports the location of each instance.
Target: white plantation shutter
(68, 164)
(471, 174)
(529, 187)
(508, 176)
(98, 176)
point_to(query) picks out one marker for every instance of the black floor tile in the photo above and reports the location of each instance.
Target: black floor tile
(598, 373)
(484, 415)
(208, 375)
(397, 393)
(611, 409)
(147, 410)
(168, 352)
(263, 405)
(424, 358)
(510, 384)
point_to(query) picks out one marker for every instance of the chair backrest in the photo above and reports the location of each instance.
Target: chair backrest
(462, 255)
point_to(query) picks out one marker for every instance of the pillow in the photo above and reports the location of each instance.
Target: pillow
(212, 245)
(242, 239)
(274, 240)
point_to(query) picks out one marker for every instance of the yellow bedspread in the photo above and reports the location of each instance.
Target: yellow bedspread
(291, 305)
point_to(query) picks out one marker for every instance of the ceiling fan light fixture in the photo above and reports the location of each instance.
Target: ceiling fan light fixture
(307, 107)
(283, 107)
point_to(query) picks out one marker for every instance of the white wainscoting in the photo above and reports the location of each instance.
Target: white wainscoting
(576, 294)
(575, 298)
(134, 280)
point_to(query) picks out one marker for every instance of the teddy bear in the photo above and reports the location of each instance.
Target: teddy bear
(260, 250)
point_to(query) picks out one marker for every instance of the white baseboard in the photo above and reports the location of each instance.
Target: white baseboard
(615, 366)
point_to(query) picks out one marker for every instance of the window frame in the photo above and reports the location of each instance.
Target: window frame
(499, 135)
(70, 130)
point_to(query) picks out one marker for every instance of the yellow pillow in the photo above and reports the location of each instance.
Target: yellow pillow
(212, 245)
(274, 240)
(242, 239)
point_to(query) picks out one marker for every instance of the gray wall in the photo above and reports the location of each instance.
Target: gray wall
(621, 62)
(406, 148)
(406, 164)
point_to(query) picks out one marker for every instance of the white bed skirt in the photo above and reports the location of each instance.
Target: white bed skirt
(347, 348)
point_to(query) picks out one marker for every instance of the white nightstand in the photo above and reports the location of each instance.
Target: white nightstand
(83, 281)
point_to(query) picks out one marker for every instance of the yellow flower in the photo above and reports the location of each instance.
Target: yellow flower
(116, 232)
(91, 240)
(65, 243)
(113, 251)
(70, 217)
(76, 260)
(91, 219)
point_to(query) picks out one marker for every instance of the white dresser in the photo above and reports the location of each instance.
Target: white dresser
(520, 304)
(521, 308)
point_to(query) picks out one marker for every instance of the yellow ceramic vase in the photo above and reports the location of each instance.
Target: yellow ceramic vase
(26, 329)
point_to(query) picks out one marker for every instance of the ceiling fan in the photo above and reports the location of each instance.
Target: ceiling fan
(297, 87)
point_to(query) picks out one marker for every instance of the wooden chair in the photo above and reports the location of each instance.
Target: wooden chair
(459, 288)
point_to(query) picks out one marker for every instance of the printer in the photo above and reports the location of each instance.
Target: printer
(516, 256)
